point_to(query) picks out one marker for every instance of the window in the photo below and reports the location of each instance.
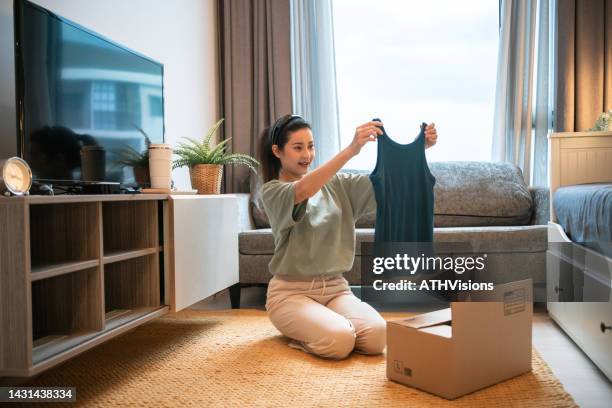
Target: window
(413, 61)
(104, 105)
(156, 108)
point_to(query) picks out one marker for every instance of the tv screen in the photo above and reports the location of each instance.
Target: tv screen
(87, 107)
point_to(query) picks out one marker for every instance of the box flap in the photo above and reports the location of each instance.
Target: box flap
(442, 330)
(425, 320)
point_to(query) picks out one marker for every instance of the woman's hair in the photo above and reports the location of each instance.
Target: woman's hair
(277, 134)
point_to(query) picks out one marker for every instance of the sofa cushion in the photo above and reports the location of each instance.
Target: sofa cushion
(528, 238)
(466, 194)
(479, 194)
(256, 242)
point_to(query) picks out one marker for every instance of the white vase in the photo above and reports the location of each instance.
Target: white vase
(160, 165)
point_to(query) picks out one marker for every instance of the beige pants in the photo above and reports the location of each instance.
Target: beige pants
(324, 317)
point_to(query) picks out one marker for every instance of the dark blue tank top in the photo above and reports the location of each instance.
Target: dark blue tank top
(404, 190)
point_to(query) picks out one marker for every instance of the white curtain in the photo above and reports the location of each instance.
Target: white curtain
(313, 72)
(516, 93)
(544, 97)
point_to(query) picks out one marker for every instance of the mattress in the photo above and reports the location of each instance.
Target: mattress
(585, 213)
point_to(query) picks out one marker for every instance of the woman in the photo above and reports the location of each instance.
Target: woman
(312, 216)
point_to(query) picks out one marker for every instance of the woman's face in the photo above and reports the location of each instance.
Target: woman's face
(297, 155)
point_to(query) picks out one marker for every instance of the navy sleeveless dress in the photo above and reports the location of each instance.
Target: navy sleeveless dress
(404, 190)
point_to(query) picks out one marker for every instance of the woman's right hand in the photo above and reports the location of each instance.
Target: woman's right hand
(365, 133)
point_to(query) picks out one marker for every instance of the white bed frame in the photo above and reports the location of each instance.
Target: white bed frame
(579, 158)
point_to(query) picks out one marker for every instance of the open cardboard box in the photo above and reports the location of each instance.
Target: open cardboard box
(469, 346)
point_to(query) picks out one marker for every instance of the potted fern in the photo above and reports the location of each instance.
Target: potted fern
(206, 162)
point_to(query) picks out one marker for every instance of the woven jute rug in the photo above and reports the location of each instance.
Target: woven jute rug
(237, 358)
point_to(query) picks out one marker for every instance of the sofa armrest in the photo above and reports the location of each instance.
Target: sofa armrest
(245, 220)
(541, 205)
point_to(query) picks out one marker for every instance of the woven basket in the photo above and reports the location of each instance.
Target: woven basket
(206, 178)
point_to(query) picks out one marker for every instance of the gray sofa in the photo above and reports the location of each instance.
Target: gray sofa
(486, 205)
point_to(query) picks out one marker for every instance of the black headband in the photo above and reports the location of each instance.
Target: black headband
(276, 130)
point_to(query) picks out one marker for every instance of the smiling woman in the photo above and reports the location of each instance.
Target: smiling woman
(425, 59)
(312, 215)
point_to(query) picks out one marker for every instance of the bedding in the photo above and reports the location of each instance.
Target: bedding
(585, 213)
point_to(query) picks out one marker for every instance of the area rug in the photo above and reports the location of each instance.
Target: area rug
(236, 358)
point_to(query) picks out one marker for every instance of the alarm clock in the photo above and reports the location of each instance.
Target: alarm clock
(15, 176)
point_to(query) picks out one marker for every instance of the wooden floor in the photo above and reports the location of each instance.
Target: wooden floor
(580, 377)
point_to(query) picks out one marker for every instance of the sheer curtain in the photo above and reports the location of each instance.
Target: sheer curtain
(512, 126)
(313, 73)
(544, 97)
(573, 76)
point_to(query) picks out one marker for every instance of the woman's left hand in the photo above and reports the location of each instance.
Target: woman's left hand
(431, 135)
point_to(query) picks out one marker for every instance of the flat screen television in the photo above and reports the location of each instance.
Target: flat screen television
(86, 106)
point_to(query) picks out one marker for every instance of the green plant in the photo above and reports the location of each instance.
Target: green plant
(603, 122)
(128, 156)
(193, 152)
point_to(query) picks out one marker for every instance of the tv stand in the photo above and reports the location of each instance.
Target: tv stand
(76, 271)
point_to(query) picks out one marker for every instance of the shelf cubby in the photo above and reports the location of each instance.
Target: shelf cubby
(63, 238)
(52, 350)
(66, 304)
(129, 226)
(130, 285)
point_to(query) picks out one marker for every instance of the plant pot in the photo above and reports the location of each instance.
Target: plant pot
(206, 178)
(141, 175)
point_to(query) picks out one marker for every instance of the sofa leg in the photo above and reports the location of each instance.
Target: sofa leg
(234, 292)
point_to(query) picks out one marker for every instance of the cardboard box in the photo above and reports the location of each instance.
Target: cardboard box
(469, 346)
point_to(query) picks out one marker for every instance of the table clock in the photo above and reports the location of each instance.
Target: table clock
(15, 177)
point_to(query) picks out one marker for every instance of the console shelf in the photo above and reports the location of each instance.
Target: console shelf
(60, 268)
(118, 256)
(76, 271)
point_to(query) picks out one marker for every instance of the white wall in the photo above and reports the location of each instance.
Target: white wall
(182, 35)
